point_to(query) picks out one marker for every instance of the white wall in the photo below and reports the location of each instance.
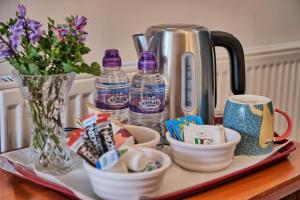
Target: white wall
(112, 22)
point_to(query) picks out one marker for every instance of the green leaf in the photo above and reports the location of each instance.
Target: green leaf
(95, 65)
(12, 21)
(84, 50)
(67, 67)
(33, 68)
(56, 51)
(51, 21)
(33, 52)
(95, 69)
(14, 63)
(25, 42)
(3, 25)
(45, 44)
(22, 69)
(3, 31)
(70, 19)
(18, 66)
(4, 28)
(66, 48)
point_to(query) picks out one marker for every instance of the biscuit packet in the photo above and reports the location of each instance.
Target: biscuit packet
(99, 131)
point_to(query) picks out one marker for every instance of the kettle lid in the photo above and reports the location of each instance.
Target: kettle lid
(179, 26)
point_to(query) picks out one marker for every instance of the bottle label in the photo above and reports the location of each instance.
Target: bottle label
(112, 98)
(150, 102)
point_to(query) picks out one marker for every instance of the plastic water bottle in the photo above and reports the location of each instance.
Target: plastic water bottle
(112, 87)
(147, 94)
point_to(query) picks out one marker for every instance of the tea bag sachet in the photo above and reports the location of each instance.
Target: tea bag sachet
(176, 126)
(208, 135)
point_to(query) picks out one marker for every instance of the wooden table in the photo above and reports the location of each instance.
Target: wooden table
(274, 182)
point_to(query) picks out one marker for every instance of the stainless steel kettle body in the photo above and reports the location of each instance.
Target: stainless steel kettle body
(186, 57)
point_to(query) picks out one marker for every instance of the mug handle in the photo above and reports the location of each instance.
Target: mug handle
(288, 131)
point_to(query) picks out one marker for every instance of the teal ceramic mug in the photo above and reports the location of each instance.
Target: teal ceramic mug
(253, 117)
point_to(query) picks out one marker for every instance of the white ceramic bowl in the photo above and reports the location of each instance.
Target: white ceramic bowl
(112, 185)
(144, 136)
(205, 158)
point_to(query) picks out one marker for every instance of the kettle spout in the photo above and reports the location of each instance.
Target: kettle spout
(140, 43)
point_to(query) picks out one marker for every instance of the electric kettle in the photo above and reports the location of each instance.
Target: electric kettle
(187, 62)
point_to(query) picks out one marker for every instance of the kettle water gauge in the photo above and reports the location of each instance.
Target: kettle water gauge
(188, 83)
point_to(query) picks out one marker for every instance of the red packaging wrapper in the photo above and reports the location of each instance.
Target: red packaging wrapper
(82, 146)
(122, 136)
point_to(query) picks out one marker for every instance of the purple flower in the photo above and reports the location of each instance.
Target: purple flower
(15, 40)
(77, 28)
(80, 22)
(62, 32)
(82, 37)
(16, 33)
(5, 52)
(35, 30)
(22, 11)
(33, 24)
(17, 27)
(34, 37)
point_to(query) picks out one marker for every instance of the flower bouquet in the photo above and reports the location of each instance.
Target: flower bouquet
(45, 64)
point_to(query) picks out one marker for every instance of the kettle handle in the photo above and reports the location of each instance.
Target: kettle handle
(236, 57)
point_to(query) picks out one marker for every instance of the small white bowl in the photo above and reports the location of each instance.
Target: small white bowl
(205, 158)
(144, 136)
(113, 185)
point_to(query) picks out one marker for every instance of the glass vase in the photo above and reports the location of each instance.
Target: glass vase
(45, 97)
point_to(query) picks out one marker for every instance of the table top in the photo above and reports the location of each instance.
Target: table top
(273, 182)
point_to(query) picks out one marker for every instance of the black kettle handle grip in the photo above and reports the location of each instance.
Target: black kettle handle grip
(236, 57)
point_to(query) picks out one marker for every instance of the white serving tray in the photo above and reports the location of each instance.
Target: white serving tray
(177, 180)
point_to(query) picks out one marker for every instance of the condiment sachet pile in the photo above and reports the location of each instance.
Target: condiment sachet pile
(104, 143)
